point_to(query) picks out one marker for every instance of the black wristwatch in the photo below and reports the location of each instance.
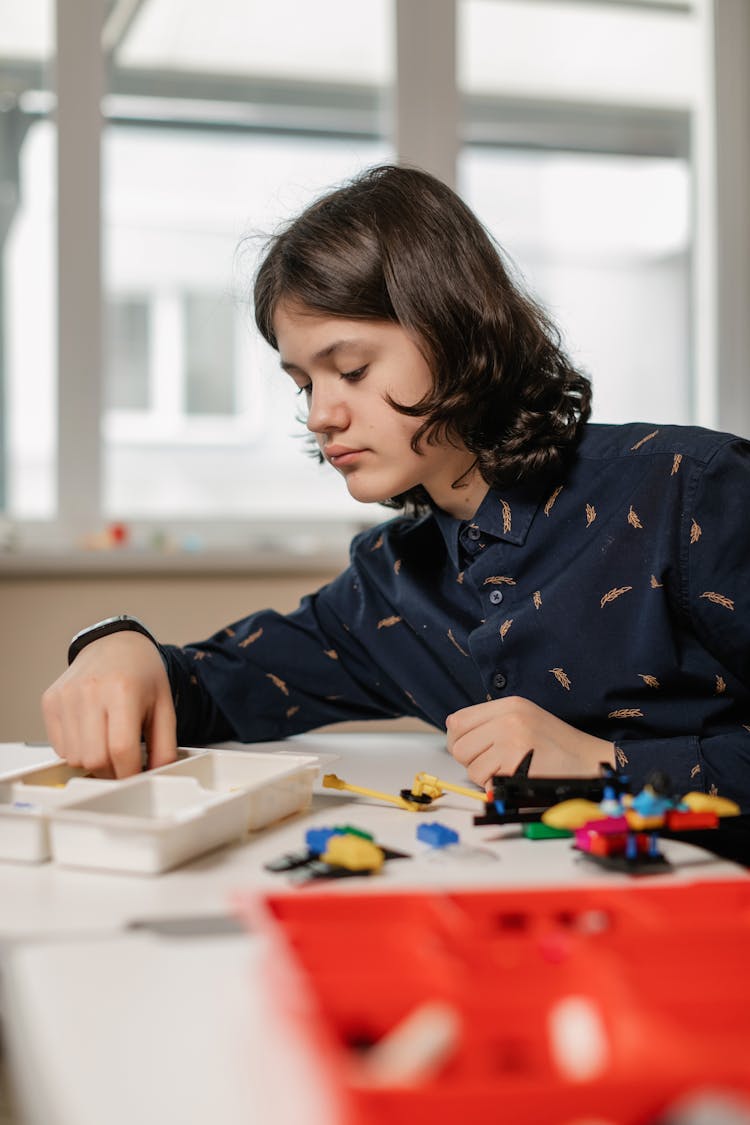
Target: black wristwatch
(122, 623)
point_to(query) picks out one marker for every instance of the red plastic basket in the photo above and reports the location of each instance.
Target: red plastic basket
(660, 974)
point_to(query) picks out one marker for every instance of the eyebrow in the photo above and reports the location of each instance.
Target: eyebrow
(324, 353)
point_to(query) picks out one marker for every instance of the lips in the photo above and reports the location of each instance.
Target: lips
(340, 455)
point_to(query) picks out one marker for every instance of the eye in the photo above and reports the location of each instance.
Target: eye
(306, 389)
(353, 376)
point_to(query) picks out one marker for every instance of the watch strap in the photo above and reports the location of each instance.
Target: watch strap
(123, 622)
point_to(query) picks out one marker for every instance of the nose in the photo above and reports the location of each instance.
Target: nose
(327, 408)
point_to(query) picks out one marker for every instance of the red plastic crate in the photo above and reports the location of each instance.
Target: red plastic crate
(661, 971)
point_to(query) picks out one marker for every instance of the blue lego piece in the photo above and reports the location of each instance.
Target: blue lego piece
(317, 838)
(648, 803)
(436, 835)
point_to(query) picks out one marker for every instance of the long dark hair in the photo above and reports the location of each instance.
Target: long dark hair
(396, 244)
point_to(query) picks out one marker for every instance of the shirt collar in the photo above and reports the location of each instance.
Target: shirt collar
(505, 515)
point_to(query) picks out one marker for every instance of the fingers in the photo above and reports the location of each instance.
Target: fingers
(490, 738)
(114, 691)
(122, 741)
(53, 721)
(86, 737)
(161, 732)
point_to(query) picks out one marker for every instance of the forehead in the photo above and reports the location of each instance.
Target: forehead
(305, 335)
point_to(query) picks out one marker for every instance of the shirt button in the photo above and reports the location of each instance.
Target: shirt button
(496, 596)
(499, 680)
(473, 532)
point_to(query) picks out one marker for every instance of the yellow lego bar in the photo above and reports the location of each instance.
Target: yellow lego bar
(331, 781)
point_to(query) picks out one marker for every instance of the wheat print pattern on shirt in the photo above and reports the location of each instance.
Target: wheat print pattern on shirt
(718, 599)
(252, 638)
(562, 678)
(277, 682)
(548, 506)
(614, 594)
(643, 441)
(453, 641)
(590, 514)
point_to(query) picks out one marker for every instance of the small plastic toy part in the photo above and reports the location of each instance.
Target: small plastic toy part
(353, 853)
(517, 798)
(427, 785)
(317, 838)
(436, 835)
(415, 1048)
(571, 814)
(331, 781)
(334, 853)
(538, 830)
(705, 802)
(678, 820)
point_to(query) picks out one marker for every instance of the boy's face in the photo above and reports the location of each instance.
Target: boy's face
(346, 369)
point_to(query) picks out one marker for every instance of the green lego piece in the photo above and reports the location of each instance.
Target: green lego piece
(535, 830)
(349, 830)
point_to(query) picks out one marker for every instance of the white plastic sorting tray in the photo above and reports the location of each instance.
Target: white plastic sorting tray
(26, 797)
(167, 816)
(275, 785)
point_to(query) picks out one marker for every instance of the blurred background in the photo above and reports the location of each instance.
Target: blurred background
(150, 461)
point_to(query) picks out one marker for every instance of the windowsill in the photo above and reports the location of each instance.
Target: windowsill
(128, 561)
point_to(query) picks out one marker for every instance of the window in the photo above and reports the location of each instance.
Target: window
(604, 242)
(588, 190)
(584, 136)
(128, 373)
(187, 211)
(28, 201)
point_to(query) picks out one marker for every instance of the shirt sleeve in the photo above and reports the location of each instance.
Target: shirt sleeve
(271, 675)
(714, 569)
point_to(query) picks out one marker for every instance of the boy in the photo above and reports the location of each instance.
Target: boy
(551, 584)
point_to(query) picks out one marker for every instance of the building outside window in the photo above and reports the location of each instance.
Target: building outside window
(576, 147)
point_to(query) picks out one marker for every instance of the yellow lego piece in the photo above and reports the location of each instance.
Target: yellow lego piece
(704, 802)
(353, 853)
(571, 814)
(640, 823)
(430, 786)
(331, 781)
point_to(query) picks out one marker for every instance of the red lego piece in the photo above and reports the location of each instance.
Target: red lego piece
(684, 821)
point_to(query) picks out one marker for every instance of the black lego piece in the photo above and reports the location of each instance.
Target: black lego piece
(518, 791)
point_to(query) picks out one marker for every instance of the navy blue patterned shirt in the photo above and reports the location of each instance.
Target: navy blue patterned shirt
(618, 600)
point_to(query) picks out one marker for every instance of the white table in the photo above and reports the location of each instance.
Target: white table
(109, 1024)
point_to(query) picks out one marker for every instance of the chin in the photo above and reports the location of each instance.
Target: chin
(365, 496)
(373, 493)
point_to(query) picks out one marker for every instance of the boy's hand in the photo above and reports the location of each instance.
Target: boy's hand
(492, 738)
(115, 692)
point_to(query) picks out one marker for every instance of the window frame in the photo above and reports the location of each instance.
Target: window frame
(426, 90)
